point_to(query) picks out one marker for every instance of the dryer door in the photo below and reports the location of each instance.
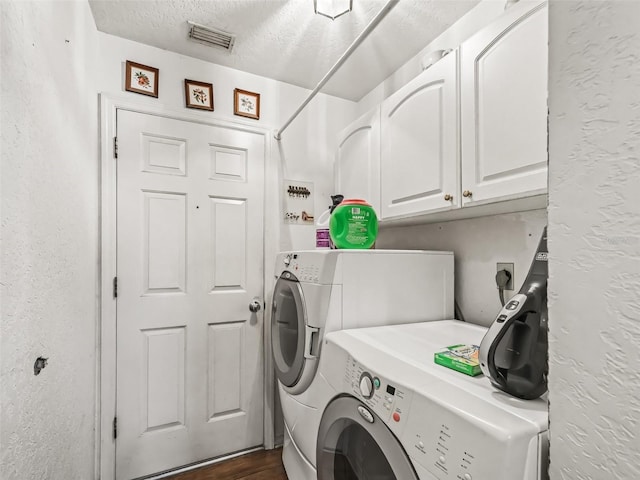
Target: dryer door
(354, 444)
(288, 320)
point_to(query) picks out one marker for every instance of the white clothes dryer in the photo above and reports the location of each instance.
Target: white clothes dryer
(398, 415)
(321, 291)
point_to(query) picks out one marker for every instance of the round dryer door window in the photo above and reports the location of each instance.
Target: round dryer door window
(354, 444)
(288, 329)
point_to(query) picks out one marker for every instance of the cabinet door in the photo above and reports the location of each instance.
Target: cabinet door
(357, 165)
(504, 107)
(419, 158)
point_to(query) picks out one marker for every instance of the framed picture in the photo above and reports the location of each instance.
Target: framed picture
(141, 79)
(246, 104)
(198, 95)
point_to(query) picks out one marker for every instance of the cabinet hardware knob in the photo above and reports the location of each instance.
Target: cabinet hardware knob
(448, 197)
(467, 193)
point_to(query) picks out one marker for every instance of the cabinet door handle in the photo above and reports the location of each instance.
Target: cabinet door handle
(448, 198)
(467, 193)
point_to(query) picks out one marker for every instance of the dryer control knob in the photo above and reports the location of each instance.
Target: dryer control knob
(366, 385)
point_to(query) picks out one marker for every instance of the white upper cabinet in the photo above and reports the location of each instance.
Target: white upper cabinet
(419, 159)
(466, 137)
(503, 98)
(357, 164)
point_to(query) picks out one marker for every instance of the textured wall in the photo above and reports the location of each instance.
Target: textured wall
(478, 244)
(49, 240)
(594, 240)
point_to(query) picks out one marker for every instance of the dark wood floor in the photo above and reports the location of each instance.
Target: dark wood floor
(262, 465)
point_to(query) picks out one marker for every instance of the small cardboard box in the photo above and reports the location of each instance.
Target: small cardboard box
(463, 358)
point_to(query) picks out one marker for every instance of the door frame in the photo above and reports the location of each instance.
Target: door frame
(105, 408)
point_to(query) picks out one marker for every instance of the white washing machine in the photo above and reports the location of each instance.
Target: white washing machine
(321, 291)
(398, 415)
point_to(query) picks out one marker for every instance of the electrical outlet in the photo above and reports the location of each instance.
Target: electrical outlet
(509, 268)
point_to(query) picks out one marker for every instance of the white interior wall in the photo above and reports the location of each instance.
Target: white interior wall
(49, 252)
(50, 165)
(305, 152)
(594, 239)
(478, 244)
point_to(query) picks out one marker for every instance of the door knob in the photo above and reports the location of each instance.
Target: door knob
(448, 197)
(255, 306)
(467, 194)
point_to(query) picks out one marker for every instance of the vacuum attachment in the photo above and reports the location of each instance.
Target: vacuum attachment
(513, 352)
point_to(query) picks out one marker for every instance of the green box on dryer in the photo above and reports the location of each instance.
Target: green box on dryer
(463, 358)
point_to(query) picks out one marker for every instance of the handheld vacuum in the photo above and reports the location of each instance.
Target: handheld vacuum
(513, 352)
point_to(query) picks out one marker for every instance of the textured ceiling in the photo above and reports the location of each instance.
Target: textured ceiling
(284, 39)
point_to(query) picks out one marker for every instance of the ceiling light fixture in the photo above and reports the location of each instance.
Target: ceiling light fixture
(332, 8)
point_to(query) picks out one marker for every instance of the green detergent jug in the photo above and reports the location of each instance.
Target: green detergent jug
(353, 224)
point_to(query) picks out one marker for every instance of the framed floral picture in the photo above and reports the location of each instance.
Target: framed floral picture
(246, 104)
(141, 79)
(198, 95)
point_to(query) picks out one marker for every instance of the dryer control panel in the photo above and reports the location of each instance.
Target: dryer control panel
(308, 266)
(389, 401)
(305, 268)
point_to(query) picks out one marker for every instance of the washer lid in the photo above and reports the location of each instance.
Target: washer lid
(354, 443)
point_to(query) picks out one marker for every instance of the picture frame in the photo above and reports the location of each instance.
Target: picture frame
(246, 104)
(198, 95)
(142, 79)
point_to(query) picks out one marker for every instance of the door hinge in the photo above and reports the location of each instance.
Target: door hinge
(115, 287)
(115, 147)
(115, 427)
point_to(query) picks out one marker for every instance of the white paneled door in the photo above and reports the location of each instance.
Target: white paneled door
(190, 262)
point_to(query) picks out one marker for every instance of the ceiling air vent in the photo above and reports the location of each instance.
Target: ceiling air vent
(211, 36)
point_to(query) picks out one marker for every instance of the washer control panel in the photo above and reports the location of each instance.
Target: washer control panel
(366, 386)
(456, 436)
(450, 433)
(389, 401)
